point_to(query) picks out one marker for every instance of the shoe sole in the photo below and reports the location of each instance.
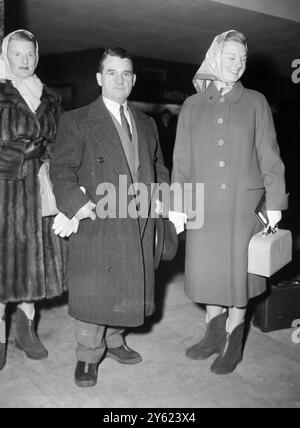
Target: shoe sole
(32, 357)
(137, 360)
(224, 372)
(85, 383)
(201, 358)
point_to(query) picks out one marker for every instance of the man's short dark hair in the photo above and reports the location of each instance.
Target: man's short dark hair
(119, 52)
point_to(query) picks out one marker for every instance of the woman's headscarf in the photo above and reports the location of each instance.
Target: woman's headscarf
(31, 87)
(210, 68)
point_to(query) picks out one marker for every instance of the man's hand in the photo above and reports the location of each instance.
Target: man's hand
(274, 217)
(86, 211)
(63, 226)
(178, 219)
(159, 207)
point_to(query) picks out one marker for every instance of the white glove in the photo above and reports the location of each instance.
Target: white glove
(274, 217)
(86, 211)
(63, 226)
(178, 219)
(159, 209)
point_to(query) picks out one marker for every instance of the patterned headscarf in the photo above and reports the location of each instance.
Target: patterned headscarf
(30, 88)
(210, 68)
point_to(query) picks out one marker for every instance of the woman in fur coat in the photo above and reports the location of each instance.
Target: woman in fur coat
(31, 256)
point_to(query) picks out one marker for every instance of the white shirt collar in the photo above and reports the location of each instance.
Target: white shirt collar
(114, 107)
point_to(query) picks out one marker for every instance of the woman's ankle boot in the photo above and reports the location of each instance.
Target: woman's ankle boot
(26, 338)
(231, 353)
(2, 355)
(212, 341)
(2, 347)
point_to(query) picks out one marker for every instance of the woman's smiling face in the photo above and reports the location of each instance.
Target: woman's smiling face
(233, 61)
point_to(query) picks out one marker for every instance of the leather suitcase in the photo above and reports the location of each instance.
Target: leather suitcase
(280, 308)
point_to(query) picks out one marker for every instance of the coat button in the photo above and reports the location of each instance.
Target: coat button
(100, 159)
(222, 100)
(221, 142)
(220, 121)
(222, 164)
(223, 186)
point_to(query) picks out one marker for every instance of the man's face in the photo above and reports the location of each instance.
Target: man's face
(22, 58)
(117, 78)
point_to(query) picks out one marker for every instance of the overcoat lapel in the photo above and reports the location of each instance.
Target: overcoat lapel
(103, 129)
(146, 174)
(145, 159)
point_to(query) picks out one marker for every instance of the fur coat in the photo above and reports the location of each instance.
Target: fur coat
(31, 256)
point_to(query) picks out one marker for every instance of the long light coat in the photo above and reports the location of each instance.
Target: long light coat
(110, 269)
(229, 144)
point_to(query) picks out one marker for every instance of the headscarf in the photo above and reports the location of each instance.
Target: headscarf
(210, 69)
(31, 87)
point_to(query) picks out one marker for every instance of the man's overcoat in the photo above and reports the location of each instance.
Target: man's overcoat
(110, 267)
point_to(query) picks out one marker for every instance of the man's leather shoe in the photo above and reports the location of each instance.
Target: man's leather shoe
(124, 355)
(86, 374)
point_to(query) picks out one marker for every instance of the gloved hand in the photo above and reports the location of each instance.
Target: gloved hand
(34, 149)
(86, 211)
(274, 217)
(159, 209)
(178, 219)
(63, 226)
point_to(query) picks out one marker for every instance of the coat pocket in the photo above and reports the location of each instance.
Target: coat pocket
(253, 183)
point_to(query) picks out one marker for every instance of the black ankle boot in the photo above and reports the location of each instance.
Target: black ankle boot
(212, 341)
(26, 338)
(3, 349)
(231, 353)
(2, 355)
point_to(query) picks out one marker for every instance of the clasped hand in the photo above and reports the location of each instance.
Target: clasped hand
(64, 227)
(86, 211)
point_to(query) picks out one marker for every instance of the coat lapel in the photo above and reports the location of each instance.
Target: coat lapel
(145, 156)
(146, 174)
(101, 125)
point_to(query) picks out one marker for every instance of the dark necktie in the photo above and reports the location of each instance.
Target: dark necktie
(124, 122)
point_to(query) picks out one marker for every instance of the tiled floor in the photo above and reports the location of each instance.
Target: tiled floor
(269, 375)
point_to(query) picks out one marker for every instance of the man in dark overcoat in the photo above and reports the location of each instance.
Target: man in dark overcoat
(110, 266)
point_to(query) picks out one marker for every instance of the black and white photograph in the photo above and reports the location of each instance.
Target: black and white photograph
(149, 207)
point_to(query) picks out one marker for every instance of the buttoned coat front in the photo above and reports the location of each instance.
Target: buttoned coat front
(110, 268)
(228, 143)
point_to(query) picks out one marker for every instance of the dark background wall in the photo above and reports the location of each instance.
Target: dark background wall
(157, 81)
(73, 74)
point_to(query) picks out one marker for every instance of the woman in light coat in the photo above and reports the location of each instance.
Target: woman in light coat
(226, 140)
